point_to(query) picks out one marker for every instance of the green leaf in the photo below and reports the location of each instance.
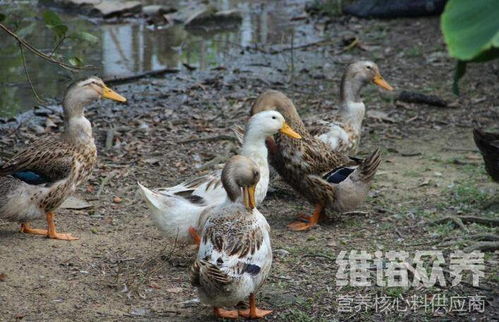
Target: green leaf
(2, 17)
(51, 19)
(59, 30)
(470, 27)
(85, 36)
(75, 61)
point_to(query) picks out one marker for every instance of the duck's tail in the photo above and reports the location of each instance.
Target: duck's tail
(203, 273)
(152, 198)
(367, 169)
(173, 214)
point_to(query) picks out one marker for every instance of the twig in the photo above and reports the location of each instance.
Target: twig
(211, 138)
(319, 255)
(57, 46)
(456, 220)
(109, 137)
(323, 42)
(419, 98)
(105, 181)
(494, 222)
(126, 79)
(39, 100)
(39, 53)
(485, 246)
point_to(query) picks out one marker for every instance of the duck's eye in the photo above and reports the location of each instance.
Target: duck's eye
(368, 67)
(273, 117)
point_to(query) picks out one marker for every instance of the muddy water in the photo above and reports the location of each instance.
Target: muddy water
(133, 47)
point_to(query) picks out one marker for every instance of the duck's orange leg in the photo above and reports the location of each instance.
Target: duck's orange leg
(52, 233)
(253, 312)
(310, 221)
(195, 236)
(221, 313)
(26, 228)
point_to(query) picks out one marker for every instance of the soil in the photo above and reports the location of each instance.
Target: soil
(123, 269)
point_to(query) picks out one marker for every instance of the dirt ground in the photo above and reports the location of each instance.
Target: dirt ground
(122, 268)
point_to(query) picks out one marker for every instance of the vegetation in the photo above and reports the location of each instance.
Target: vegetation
(471, 32)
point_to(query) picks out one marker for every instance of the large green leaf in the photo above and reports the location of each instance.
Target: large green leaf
(470, 28)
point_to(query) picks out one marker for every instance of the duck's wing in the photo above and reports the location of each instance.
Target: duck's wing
(236, 246)
(45, 161)
(321, 158)
(207, 188)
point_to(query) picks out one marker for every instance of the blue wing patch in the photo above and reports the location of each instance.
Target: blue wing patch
(252, 269)
(30, 177)
(338, 175)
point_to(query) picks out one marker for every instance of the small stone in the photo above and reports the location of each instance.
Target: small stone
(117, 200)
(281, 252)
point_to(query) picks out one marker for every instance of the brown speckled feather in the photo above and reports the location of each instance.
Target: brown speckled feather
(302, 163)
(243, 239)
(56, 160)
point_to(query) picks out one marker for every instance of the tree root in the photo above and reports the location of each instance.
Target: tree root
(456, 220)
(485, 246)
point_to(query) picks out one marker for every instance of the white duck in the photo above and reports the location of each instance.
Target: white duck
(176, 210)
(342, 131)
(235, 254)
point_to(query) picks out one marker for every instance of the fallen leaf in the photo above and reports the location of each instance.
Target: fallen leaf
(174, 290)
(75, 203)
(3, 276)
(117, 200)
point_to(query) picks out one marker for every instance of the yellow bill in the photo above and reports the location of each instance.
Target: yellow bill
(249, 197)
(381, 82)
(112, 95)
(286, 129)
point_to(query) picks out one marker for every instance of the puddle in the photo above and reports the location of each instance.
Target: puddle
(133, 47)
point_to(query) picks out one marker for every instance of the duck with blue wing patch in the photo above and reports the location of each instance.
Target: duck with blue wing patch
(235, 254)
(36, 181)
(325, 177)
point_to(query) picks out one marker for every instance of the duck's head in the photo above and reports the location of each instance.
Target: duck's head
(268, 123)
(239, 177)
(277, 101)
(84, 92)
(364, 72)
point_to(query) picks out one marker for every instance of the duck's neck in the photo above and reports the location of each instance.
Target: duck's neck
(352, 110)
(254, 147)
(77, 128)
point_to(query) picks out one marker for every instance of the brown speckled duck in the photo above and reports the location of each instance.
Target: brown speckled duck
(326, 178)
(342, 131)
(235, 254)
(36, 181)
(488, 144)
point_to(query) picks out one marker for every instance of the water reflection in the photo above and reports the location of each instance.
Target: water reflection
(127, 49)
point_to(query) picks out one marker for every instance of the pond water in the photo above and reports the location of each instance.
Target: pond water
(130, 47)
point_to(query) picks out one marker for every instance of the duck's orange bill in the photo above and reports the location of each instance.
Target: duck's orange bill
(249, 197)
(112, 95)
(286, 129)
(381, 82)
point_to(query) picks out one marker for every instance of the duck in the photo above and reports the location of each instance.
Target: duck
(342, 131)
(36, 181)
(176, 210)
(488, 144)
(325, 177)
(235, 254)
